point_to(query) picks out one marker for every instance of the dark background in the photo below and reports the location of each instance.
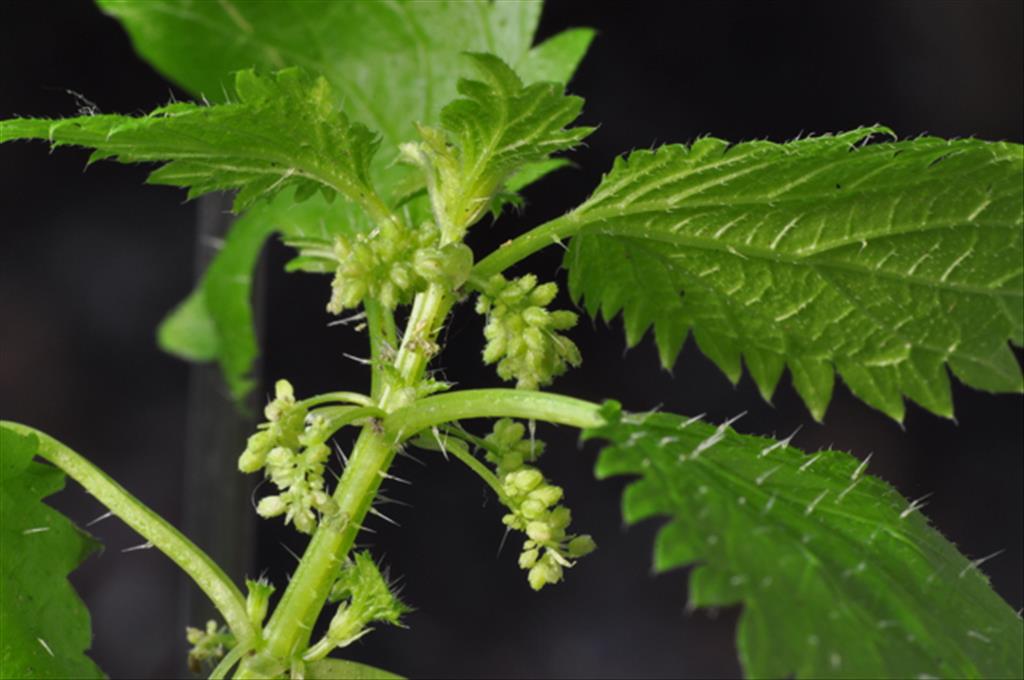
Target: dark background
(91, 262)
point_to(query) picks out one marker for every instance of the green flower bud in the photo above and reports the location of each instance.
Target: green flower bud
(255, 455)
(544, 294)
(581, 545)
(536, 316)
(538, 531)
(271, 506)
(547, 495)
(532, 509)
(544, 572)
(402, 276)
(560, 517)
(528, 558)
(524, 480)
(280, 457)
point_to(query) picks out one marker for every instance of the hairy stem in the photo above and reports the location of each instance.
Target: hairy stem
(492, 403)
(208, 576)
(525, 245)
(458, 448)
(342, 397)
(381, 326)
(290, 626)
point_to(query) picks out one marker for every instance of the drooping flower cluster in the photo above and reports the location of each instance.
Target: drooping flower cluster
(364, 596)
(292, 449)
(392, 263)
(522, 335)
(533, 505)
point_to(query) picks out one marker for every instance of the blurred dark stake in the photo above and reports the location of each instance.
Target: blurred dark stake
(216, 515)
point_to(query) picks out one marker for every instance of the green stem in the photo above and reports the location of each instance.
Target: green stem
(525, 245)
(457, 447)
(208, 576)
(340, 416)
(229, 660)
(492, 403)
(293, 618)
(376, 321)
(331, 397)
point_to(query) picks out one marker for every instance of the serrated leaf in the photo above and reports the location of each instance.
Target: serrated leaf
(44, 625)
(390, 64)
(882, 261)
(838, 575)
(282, 132)
(494, 129)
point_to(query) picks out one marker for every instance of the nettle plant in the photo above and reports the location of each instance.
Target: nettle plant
(347, 131)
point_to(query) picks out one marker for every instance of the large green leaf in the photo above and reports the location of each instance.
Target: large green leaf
(44, 626)
(839, 576)
(391, 65)
(882, 261)
(283, 139)
(281, 132)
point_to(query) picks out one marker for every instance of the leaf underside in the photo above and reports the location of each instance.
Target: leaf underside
(343, 669)
(884, 262)
(44, 625)
(390, 65)
(838, 575)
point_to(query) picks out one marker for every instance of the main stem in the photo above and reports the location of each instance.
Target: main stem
(289, 628)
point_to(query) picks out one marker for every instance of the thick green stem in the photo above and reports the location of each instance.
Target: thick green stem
(525, 245)
(204, 571)
(492, 403)
(292, 621)
(291, 624)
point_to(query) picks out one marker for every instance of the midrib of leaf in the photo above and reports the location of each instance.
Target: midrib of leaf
(746, 251)
(884, 329)
(424, 59)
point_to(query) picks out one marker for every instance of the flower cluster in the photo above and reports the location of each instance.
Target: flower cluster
(533, 505)
(521, 333)
(207, 645)
(365, 597)
(392, 263)
(292, 449)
